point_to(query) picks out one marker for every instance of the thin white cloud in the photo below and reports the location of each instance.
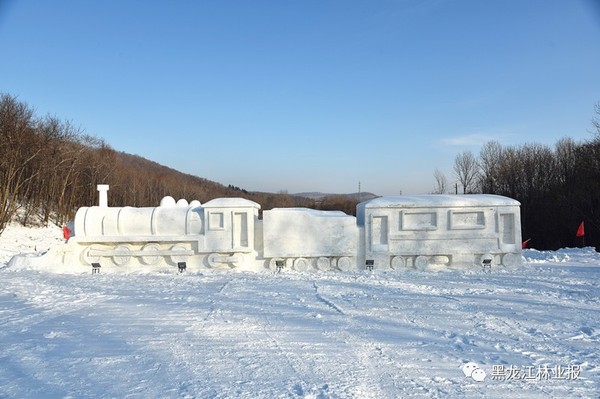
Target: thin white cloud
(474, 139)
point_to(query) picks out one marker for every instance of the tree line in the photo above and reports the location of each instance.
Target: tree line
(558, 187)
(49, 168)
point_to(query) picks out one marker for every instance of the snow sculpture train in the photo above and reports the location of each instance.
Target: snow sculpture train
(387, 233)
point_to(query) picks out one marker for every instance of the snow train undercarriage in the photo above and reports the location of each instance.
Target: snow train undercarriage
(429, 231)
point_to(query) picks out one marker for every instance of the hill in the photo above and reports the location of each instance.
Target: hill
(316, 196)
(48, 169)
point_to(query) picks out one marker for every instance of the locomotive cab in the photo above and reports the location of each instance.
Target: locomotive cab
(229, 231)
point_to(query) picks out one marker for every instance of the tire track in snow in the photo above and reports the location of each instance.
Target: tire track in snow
(326, 301)
(371, 373)
(323, 364)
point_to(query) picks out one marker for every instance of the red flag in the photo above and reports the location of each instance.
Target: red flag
(66, 232)
(580, 230)
(524, 244)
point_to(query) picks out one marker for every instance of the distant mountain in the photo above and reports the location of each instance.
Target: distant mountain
(355, 196)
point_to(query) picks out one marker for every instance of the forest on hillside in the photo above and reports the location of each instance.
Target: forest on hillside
(49, 168)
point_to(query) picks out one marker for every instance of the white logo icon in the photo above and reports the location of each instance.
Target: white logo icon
(472, 370)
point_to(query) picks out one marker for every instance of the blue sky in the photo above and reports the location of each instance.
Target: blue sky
(308, 95)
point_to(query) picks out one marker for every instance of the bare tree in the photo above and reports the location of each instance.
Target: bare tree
(490, 161)
(18, 150)
(596, 120)
(441, 183)
(466, 169)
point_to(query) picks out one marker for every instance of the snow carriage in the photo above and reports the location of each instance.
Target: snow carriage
(304, 239)
(440, 231)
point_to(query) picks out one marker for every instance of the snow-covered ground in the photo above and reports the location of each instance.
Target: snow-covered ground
(533, 331)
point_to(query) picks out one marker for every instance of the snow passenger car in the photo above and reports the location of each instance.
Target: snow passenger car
(440, 230)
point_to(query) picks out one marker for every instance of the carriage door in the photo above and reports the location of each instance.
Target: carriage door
(240, 230)
(379, 233)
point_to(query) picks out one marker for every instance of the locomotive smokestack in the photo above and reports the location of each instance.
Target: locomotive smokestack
(103, 195)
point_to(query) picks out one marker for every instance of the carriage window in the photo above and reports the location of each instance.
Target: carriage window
(507, 228)
(418, 220)
(216, 221)
(467, 220)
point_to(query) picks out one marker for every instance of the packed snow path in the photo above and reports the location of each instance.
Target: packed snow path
(294, 335)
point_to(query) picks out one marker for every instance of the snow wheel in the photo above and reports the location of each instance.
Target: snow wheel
(87, 257)
(441, 260)
(151, 255)
(214, 261)
(238, 259)
(323, 263)
(225, 261)
(301, 264)
(421, 262)
(176, 258)
(122, 255)
(344, 264)
(510, 260)
(398, 262)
